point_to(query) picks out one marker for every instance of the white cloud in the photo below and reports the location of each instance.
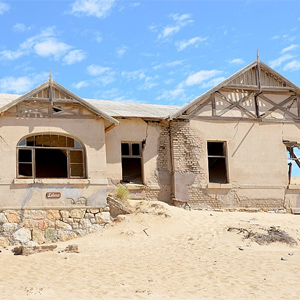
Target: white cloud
(172, 94)
(94, 8)
(74, 56)
(292, 66)
(201, 76)
(277, 62)
(20, 27)
(193, 41)
(21, 84)
(96, 70)
(288, 49)
(121, 51)
(44, 44)
(133, 75)
(180, 21)
(135, 4)
(169, 64)
(237, 61)
(51, 47)
(212, 82)
(3, 8)
(80, 84)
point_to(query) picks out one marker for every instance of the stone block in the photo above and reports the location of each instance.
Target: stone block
(50, 234)
(43, 224)
(77, 213)
(89, 216)
(94, 210)
(9, 227)
(64, 235)
(103, 217)
(85, 223)
(3, 218)
(4, 242)
(22, 235)
(38, 236)
(65, 213)
(53, 214)
(13, 217)
(62, 225)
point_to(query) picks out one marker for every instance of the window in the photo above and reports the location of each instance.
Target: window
(50, 156)
(131, 162)
(293, 155)
(217, 168)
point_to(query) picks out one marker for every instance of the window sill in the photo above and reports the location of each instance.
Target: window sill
(219, 186)
(60, 181)
(294, 187)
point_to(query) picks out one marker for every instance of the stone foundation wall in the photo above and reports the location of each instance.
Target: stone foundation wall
(37, 226)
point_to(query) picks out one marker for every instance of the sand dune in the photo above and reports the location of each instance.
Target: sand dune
(163, 252)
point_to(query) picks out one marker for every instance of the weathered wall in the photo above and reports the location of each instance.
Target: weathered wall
(256, 162)
(31, 227)
(29, 192)
(155, 155)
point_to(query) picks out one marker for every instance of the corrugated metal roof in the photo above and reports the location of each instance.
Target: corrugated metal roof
(116, 108)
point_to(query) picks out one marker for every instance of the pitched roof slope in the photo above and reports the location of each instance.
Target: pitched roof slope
(256, 76)
(112, 108)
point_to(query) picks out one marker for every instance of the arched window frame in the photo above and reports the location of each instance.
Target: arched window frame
(71, 147)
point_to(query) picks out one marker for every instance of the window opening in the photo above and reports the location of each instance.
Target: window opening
(293, 157)
(131, 162)
(217, 165)
(50, 156)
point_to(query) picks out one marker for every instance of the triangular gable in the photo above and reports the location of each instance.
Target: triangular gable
(53, 100)
(255, 92)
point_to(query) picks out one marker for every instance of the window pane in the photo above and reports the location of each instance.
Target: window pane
(22, 143)
(46, 141)
(70, 142)
(39, 140)
(25, 155)
(215, 148)
(76, 156)
(125, 149)
(30, 141)
(135, 149)
(62, 141)
(76, 170)
(25, 170)
(77, 145)
(54, 141)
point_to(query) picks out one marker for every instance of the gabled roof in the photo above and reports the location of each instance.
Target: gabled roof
(256, 76)
(50, 86)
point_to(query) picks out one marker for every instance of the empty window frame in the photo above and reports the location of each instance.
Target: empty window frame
(50, 156)
(293, 155)
(217, 162)
(131, 162)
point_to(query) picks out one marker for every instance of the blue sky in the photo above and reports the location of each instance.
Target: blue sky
(161, 52)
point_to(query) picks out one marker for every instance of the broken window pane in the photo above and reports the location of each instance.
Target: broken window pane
(215, 148)
(25, 170)
(25, 155)
(30, 141)
(135, 149)
(125, 149)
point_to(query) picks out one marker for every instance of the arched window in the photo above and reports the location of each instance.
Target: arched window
(50, 156)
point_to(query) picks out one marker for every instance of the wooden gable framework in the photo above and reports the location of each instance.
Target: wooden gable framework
(51, 100)
(256, 92)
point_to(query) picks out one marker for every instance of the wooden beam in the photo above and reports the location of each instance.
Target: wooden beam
(277, 106)
(213, 104)
(292, 97)
(247, 112)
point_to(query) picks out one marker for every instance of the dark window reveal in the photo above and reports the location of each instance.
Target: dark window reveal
(50, 156)
(217, 167)
(131, 162)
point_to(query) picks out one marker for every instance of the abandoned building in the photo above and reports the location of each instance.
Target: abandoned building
(233, 147)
